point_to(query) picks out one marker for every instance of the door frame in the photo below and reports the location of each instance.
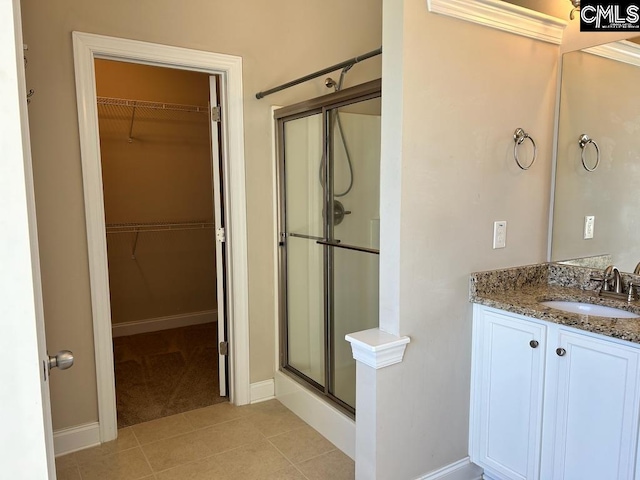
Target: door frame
(86, 48)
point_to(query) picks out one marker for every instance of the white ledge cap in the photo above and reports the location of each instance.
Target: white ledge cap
(376, 348)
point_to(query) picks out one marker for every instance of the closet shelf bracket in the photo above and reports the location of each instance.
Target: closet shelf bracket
(135, 245)
(133, 117)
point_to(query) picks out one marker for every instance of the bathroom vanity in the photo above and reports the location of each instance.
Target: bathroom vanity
(554, 395)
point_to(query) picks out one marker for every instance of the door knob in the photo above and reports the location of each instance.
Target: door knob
(534, 344)
(561, 352)
(63, 360)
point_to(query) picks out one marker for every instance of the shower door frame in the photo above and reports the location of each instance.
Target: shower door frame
(320, 105)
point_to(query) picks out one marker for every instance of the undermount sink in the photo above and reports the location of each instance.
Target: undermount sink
(589, 309)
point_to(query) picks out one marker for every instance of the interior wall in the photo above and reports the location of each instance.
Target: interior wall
(278, 41)
(465, 88)
(161, 174)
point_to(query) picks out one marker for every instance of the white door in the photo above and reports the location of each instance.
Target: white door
(596, 395)
(219, 220)
(508, 360)
(26, 439)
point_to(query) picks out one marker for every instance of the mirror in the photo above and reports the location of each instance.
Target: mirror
(599, 97)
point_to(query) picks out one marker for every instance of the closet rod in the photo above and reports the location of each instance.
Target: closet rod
(174, 107)
(347, 63)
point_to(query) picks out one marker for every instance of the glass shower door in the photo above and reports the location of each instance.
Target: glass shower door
(355, 170)
(305, 261)
(329, 182)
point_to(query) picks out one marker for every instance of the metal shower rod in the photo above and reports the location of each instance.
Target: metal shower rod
(319, 73)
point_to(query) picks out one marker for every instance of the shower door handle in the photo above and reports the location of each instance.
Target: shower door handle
(348, 247)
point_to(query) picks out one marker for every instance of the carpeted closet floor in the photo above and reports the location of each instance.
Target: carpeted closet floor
(164, 373)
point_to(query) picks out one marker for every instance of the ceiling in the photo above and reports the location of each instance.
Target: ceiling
(555, 8)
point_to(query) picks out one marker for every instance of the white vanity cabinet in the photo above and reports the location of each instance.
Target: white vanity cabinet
(550, 402)
(591, 424)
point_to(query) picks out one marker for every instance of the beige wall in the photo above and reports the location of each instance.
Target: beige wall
(463, 90)
(162, 174)
(278, 41)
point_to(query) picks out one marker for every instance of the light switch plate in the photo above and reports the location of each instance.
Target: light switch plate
(500, 234)
(589, 226)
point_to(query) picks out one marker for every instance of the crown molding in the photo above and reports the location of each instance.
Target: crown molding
(503, 16)
(623, 51)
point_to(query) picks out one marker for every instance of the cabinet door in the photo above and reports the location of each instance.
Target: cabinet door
(508, 367)
(593, 407)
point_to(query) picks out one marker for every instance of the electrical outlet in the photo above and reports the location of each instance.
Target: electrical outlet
(589, 226)
(500, 234)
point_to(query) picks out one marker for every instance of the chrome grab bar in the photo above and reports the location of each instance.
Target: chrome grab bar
(308, 237)
(348, 247)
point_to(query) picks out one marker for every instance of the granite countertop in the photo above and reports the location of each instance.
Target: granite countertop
(520, 290)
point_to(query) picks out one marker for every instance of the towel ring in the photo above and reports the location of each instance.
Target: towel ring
(583, 141)
(519, 136)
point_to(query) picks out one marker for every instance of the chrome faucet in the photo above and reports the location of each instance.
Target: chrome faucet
(608, 273)
(611, 280)
(617, 281)
(612, 285)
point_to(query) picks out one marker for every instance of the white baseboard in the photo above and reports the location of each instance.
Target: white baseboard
(72, 439)
(334, 425)
(163, 323)
(460, 470)
(262, 391)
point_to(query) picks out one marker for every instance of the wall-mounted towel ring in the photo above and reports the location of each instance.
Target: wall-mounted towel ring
(583, 141)
(519, 136)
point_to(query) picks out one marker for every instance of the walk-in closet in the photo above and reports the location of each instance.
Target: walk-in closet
(157, 173)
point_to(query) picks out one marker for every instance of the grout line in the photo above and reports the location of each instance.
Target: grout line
(208, 456)
(79, 472)
(195, 429)
(291, 431)
(301, 472)
(135, 436)
(288, 459)
(306, 459)
(281, 452)
(144, 455)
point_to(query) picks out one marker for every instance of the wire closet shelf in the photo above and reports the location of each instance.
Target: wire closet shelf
(168, 107)
(157, 226)
(120, 115)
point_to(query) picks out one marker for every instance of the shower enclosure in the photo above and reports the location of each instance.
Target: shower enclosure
(329, 191)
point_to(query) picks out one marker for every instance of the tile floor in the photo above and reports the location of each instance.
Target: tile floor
(264, 441)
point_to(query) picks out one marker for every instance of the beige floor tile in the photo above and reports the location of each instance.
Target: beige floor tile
(249, 462)
(199, 444)
(222, 412)
(274, 420)
(68, 473)
(174, 451)
(125, 441)
(289, 473)
(66, 461)
(127, 465)
(162, 428)
(264, 407)
(230, 435)
(330, 466)
(302, 444)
